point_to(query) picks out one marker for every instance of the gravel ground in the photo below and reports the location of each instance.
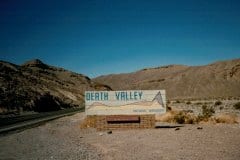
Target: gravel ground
(58, 140)
(63, 139)
(213, 142)
(225, 107)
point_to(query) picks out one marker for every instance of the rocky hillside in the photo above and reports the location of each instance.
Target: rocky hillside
(220, 79)
(35, 86)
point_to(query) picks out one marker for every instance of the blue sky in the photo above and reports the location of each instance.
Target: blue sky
(115, 36)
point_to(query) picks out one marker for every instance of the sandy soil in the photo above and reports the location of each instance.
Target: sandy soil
(60, 139)
(63, 139)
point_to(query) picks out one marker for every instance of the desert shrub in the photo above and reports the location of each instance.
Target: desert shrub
(167, 117)
(217, 103)
(208, 103)
(237, 105)
(179, 118)
(185, 118)
(188, 111)
(177, 101)
(188, 102)
(89, 121)
(226, 118)
(207, 112)
(169, 108)
(190, 121)
(199, 103)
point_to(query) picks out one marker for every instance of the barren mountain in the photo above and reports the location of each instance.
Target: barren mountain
(35, 86)
(220, 79)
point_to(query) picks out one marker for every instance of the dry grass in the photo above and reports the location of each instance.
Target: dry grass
(167, 117)
(226, 118)
(237, 105)
(89, 121)
(177, 117)
(189, 118)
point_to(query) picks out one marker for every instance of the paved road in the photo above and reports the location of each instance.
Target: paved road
(34, 122)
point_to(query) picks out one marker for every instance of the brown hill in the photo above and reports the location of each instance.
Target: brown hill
(35, 86)
(220, 79)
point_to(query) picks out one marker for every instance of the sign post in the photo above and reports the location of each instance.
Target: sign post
(118, 109)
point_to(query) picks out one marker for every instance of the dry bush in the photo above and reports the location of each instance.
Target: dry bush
(207, 121)
(217, 103)
(222, 118)
(169, 108)
(226, 118)
(190, 118)
(207, 113)
(180, 117)
(237, 105)
(89, 121)
(185, 118)
(167, 117)
(177, 101)
(188, 102)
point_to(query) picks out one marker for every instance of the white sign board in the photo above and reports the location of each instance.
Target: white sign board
(132, 102)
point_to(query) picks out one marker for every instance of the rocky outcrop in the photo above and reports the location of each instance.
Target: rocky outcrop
(36, 86)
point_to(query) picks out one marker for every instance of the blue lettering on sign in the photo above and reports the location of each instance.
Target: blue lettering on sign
(96, 96)
(117, 94)
(128, 96)
(87, 97)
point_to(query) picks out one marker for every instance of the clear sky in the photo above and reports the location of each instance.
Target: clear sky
(97, 37)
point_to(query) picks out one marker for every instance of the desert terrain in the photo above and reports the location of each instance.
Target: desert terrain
(120, 80)
(216, 80)
(202, 120)
(64, 139)
(39, 87)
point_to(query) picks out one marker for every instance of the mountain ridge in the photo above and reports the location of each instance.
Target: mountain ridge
(36, 86)
(218, 79)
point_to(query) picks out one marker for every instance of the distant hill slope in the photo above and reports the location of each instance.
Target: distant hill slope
(220, 79)
(35, 86)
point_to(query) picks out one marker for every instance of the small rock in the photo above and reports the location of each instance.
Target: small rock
(109, 132)
(199, 127)
(80, 137)
(177, 129)
(100, 134)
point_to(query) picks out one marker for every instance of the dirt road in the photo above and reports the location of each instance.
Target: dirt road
(63, 139)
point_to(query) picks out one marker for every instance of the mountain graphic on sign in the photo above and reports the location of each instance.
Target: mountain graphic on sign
(156, 102)
(158, 98)
(97, 104)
